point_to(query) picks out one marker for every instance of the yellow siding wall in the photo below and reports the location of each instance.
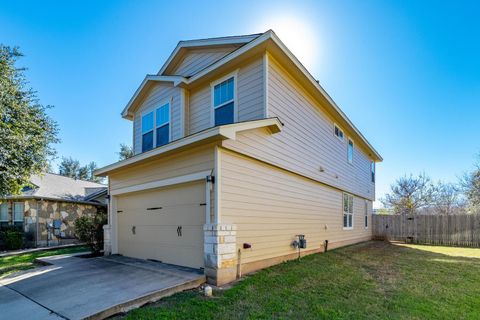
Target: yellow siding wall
(270, 206)
(191, 161)
(160, 93)
(250, 104)
(306, 143)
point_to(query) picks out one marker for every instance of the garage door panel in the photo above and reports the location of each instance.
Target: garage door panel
(156, 232)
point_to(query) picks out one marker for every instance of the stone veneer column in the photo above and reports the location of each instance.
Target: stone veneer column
(220, 255)
(107, 244)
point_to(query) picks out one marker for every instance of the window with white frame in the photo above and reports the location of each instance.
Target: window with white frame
(338, 132)
(147, 131)
(162, 122)
(18, 212)
(224, 102)
(350, 151)
(156, 127)
(347, 211)
(4, 214)
(372, 170)
(366, 214)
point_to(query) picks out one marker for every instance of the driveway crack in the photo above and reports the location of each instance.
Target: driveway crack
(38, 303)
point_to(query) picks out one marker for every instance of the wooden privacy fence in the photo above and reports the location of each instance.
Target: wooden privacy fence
(453, 230)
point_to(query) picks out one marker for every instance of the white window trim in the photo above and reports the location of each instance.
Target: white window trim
(339, 128)
(343, 212)
(154, 110)
(233, 75)
(366, 215)
(6, 205)
(23, 212)
(353, 149)
(169, 102)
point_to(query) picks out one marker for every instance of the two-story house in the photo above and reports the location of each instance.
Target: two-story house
(238, 150)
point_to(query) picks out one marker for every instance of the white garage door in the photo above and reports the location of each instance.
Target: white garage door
(163, 224)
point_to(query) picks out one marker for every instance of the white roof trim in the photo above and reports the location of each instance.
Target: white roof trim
(176, 80)
(224, 132)
(206, 42)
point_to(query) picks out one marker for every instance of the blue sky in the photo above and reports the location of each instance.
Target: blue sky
(407, 73)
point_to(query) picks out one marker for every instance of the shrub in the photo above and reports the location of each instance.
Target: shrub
(89, 229)
(12, 238)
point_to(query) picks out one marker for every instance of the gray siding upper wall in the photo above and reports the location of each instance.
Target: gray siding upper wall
(250, 104)
(198, 59)
(306, 144)
(159, 94)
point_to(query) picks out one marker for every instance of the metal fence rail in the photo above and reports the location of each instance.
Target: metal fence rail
(453, 230)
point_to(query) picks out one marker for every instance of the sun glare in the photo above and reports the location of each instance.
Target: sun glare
(297, 35)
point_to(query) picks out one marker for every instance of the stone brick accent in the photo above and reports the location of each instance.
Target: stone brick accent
(220, 244)
(107, 243)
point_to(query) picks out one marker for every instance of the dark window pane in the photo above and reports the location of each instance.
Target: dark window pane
(147, 141)
(224, 115)
(163, 135)
(350, 222)
(344, 220)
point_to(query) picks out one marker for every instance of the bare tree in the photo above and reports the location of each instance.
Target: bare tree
(470, 184)
(410, 194)
(448, 199)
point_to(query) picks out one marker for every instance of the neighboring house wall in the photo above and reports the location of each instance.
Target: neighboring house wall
(198, 59)
(37, 214)
(249, 93)
(270, 206)
(307, 144)
(159, 94)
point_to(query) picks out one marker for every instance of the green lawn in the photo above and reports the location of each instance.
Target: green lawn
(373, 280)
(26, 261)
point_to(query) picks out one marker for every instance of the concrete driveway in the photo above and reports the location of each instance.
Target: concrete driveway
(78, 288)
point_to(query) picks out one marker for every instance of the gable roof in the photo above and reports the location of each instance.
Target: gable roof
(56, 187)
(185, 45)
(258, 43)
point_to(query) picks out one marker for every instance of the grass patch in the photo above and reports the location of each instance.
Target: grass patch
(373, 280)
(27, 261)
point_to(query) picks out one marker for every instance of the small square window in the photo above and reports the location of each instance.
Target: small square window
(338, 132)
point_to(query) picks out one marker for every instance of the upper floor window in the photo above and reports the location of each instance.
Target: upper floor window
(156, 127)
(338, 132)
(224, 102)
(347, 211)
(163, 125)
(372, 170)
(147, 131)
(350, 151)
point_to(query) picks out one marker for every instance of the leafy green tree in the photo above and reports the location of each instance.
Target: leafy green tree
(26, 131)
(125, 152)
(89, 229)
(70, 167)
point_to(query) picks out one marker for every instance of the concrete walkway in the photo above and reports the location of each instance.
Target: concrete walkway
(77, 288)
(23, 251)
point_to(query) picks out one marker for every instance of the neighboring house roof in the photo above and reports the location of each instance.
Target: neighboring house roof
(56, 187)
(250, 45)
(228, 131)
